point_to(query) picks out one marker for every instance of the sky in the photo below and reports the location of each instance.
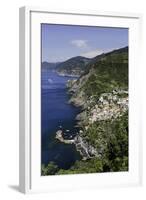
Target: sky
(61, 42)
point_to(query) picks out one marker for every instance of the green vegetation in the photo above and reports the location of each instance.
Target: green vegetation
(109, 73)
(50, 169)
(89, 166)
(74, 66)
(111, 140)
(109, 137)
(106, 78)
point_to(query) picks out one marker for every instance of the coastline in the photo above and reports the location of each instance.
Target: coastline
(85, 150)
(55, 104)
(67, 75)
(110, 106)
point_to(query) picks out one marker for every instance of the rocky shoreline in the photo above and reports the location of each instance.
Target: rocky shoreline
(67, 75)
(86, 150)
(102, 134)
(59, 136)
(109, 106)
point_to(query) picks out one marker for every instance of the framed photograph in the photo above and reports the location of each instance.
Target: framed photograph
(79, 100)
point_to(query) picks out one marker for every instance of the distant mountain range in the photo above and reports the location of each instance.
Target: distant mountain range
(78, 65)
(73, 66)
(103, 74)
(101, 91)
(49, 65)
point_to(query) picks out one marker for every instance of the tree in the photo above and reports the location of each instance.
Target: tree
(50, 169)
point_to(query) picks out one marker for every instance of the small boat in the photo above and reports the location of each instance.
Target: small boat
(50, 80)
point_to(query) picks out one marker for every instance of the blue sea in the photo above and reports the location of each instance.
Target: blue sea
(57, 113)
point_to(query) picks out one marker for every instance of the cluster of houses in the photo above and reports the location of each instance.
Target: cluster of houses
(109, 106)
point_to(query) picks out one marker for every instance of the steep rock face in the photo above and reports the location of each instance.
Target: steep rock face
(107, 74)
(102, 126)
(102, 92)
(109, 108)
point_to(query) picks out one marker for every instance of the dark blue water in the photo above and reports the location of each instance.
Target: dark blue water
(56, 112)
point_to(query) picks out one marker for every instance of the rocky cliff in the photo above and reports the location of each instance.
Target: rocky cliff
(102, 93)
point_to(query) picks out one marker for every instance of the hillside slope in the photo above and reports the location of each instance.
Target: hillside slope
(45, 66)
(73, 66)
(102, 93)
(108, 73)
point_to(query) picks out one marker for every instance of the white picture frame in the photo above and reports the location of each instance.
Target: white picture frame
(29, 160)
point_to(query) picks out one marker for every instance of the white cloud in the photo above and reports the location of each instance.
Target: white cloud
(96, 52)
(79, 43)
(93, 53)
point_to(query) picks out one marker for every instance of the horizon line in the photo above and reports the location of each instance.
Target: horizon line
(84, 56)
